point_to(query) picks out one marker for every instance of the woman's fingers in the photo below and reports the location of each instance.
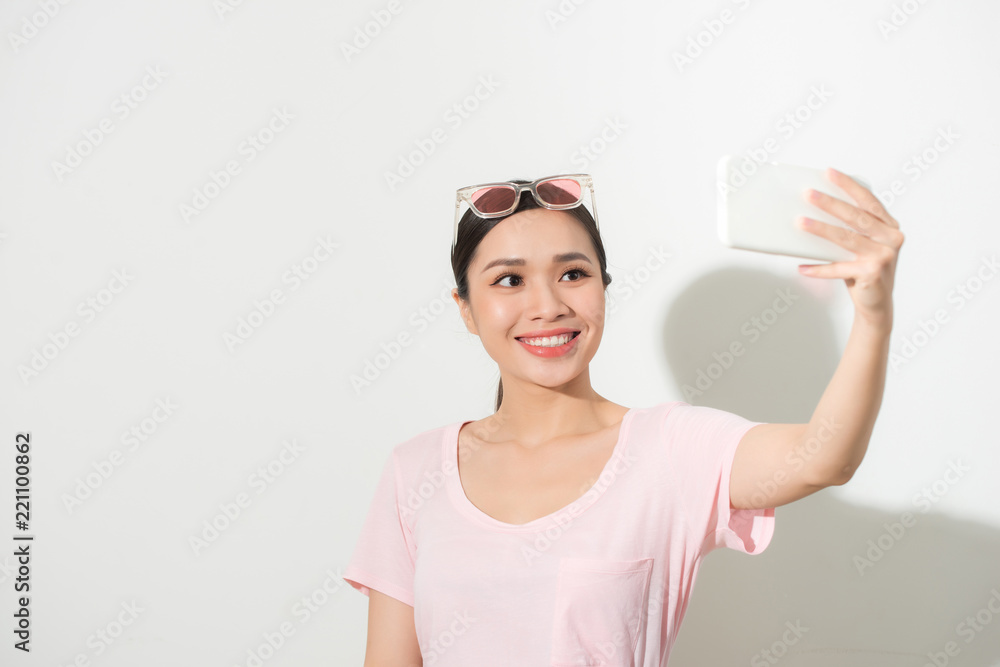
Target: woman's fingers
(869, 218)
(865, 199)
(857, 242)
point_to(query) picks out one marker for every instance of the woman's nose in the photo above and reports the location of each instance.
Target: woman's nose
(545, 301)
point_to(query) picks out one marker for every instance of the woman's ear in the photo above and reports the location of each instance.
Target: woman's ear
(465, 310)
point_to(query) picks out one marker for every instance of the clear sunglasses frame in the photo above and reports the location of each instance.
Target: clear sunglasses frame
(585, 181)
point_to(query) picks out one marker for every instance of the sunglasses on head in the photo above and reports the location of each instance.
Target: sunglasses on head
(495, 200)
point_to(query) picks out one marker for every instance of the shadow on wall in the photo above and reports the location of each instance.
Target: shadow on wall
(839, 584)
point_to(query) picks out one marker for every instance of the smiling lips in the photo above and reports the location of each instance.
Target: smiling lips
(556, 344)
(548, 341)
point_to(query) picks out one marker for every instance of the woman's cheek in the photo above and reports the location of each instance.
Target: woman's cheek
(596, 310)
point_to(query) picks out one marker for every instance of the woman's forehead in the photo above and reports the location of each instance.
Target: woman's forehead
(537, 225)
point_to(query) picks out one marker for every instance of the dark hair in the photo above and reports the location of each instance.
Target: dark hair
(472, 229)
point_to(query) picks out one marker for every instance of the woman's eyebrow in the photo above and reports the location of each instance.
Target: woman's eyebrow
(556, 259)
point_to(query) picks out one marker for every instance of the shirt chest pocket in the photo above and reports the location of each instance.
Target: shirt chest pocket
(599, 611)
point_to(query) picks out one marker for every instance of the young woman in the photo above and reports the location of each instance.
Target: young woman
(565, 529)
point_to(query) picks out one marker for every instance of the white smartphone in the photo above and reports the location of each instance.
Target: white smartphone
(759, 203)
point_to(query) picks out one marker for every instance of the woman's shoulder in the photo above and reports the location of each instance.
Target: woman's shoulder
(662, 408)
(679, 409)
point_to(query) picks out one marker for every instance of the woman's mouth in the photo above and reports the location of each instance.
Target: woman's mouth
(550, 346)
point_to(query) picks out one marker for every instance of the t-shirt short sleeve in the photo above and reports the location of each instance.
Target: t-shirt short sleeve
(385, 553)
(705, 444)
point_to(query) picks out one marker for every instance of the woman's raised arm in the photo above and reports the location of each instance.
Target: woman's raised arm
(776, 464)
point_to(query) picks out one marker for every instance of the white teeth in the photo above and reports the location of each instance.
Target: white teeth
(550, 341)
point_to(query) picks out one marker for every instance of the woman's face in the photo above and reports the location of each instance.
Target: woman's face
(530, 291)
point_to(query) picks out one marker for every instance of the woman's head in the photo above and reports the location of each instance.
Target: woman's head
(558, 282)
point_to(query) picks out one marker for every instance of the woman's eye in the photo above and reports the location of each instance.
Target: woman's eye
(580, 273)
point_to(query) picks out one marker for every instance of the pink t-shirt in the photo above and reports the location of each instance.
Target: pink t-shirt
(603, 581)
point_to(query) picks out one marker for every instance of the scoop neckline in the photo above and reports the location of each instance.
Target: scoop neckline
(588, 498)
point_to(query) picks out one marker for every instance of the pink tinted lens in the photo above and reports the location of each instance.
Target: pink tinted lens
(559, 191)
(494, 199)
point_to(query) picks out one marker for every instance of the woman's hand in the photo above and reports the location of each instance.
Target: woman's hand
(874, 238)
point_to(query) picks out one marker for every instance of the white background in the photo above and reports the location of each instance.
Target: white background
(563, 73)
